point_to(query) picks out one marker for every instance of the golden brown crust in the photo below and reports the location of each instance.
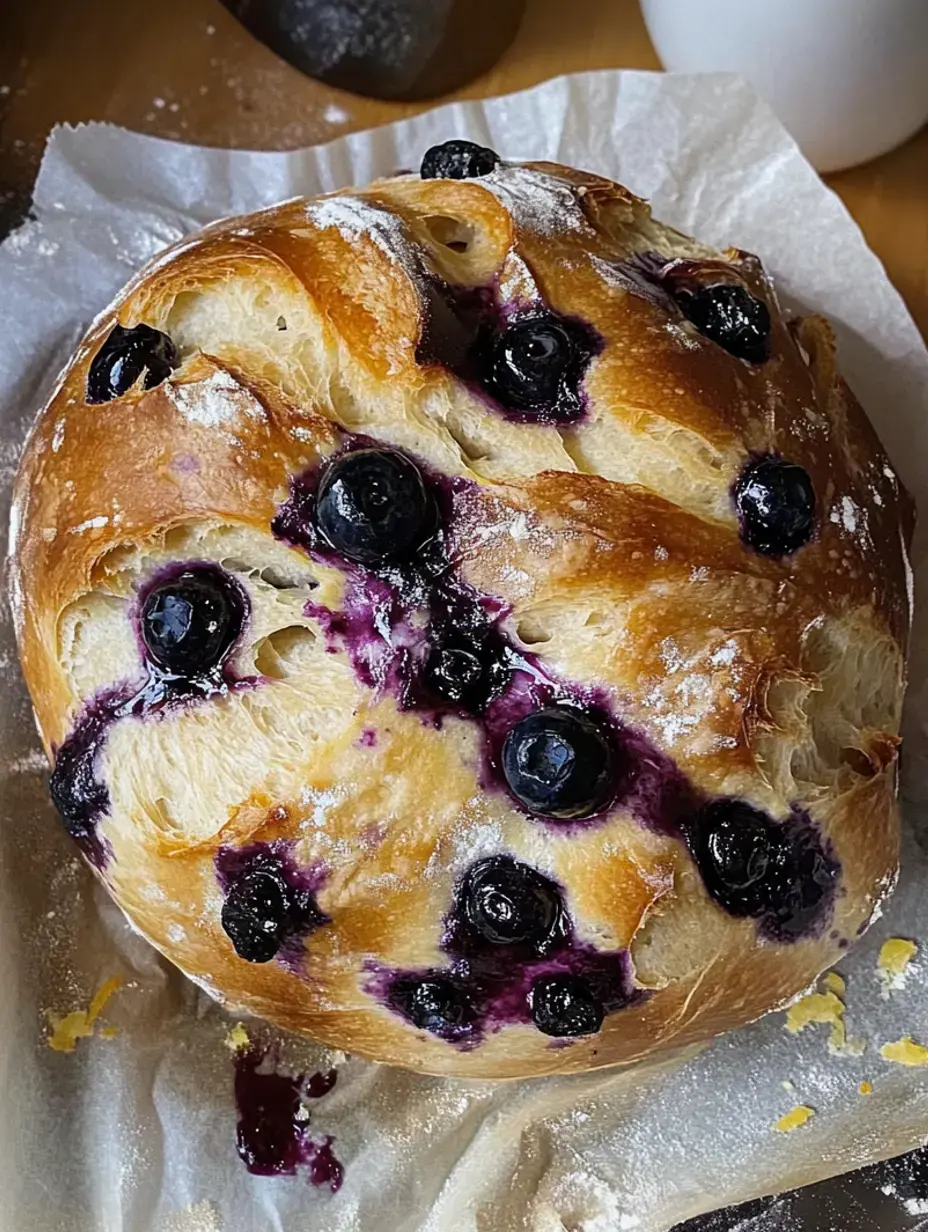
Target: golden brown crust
(612, 543)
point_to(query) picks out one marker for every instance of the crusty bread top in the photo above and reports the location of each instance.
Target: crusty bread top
(610, 546)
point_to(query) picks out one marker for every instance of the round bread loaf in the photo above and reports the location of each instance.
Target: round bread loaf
(466, 619)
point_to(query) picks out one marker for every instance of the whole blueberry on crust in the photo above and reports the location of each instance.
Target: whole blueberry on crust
(372, 505)
(458, 160)
(124, 356)
(506, 903)
(189, 621)
(558, 762)
(730, 316)
(565, 1005)
(776, 506)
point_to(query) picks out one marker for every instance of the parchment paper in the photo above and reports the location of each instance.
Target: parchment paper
(137, 1132)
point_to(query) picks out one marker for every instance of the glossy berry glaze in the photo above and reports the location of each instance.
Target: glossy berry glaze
(270, 902)
(510, 944)
(78, 792)
(273, 1132)
(412, 627)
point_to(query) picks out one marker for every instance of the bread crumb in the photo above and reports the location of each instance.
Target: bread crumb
(893, 962)
(66, 1031)
(865, 1088)
(238, 1039)
(835, 983)
(799, 1115)
(826, 1007)
(905, 1052)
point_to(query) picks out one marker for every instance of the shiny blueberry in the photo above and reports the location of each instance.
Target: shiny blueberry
(559, 763)
(467, 673)
(434, 1004)
(372, 505)
(458, 160)
(776, 872)
(190, 621)
(510, 903)
(124, 356)
(536, 364)
(732, 317)
(737, 847)
(256, 916)
(565, 1005)
(776, 506)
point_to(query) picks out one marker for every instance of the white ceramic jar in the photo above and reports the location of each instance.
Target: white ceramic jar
(848, 78)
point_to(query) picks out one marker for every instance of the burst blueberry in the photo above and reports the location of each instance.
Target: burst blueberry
(506, 902)
(435, 1004)
(124, 356)
(776, 506)
(560, 763)
(730, 316)
(465, 672)
(190, 621)
(565, 1005)
(256, 916)
(372, 506)
(536, 364)
(771, 871)
(78, 793)
(458, 160)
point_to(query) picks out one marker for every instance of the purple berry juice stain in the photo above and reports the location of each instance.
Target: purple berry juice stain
(525, 361)
(394, 615)
(77, 789)
(273, 1130)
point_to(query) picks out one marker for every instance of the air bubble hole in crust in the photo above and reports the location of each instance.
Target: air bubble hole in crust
(450, 232)
(285, 652)
(531, 632)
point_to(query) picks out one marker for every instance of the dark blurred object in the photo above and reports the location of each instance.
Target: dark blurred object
(392, 49)
(888, 1197)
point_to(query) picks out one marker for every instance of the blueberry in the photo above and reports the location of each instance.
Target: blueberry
(536, 364)
(458, 160)
(509, 903)
(256, 916)
(737, 847)
(753, 866)
(467, 672)
(190, 621)
(731, 316)
(434, 1004)
(776, 506)
(565, 1005)
(123, 357)
(559, 763)
(372, 505)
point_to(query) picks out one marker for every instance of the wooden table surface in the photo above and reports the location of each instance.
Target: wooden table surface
(186, 69)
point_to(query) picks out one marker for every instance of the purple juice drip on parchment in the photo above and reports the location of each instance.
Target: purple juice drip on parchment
(273, 1133)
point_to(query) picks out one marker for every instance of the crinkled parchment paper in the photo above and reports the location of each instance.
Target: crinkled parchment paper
(138, 1131)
